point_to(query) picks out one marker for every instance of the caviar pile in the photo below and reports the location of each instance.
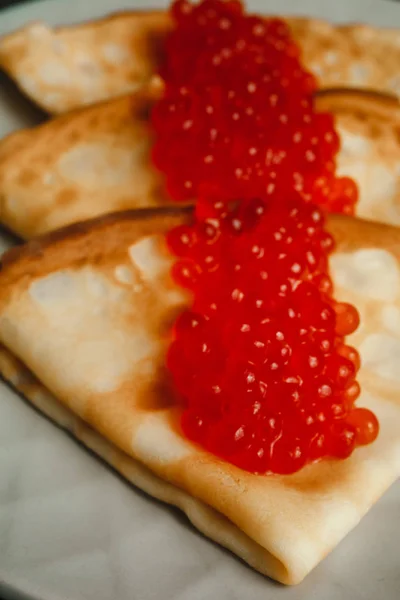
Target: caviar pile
(259, 361)
(239, 111)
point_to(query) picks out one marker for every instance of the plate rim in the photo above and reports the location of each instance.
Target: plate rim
(10, 589)
(322, 9)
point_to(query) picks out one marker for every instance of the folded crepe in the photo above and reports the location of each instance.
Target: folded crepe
(68, 67)
(97, 160)
(65, 68)
(85, 317)
(368, 125)
(87, 163)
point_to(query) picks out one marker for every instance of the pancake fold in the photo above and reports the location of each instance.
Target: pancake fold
(65, 68)
(85, 321)
(97, 160)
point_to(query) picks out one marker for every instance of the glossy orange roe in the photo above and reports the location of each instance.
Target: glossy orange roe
(260, 362)
(237, 117)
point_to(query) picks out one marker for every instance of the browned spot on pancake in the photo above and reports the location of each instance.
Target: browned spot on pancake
(66, 197)
(27, 177)
(125, 202)
(319, 477)
(159, 394)
(150, 43)
(94, 121)
(73, 136)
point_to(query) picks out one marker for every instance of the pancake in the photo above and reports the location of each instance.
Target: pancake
(85, 317)
(97, 160)
(87, 163)
(368, 125)
(69, 67)
(61, 69)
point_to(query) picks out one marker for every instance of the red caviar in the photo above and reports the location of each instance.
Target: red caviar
(238, 115)
(260, 362)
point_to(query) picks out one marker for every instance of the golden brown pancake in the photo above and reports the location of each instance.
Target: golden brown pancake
(97, 160)
(69, 67)
(85, 318)
(355, 55)
(87, 163)
(368, 125)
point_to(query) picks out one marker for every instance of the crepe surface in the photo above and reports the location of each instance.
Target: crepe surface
(88, 311)
(66, 68)
(368, 125)
(97, 160)
(91, 162)
(211, 523)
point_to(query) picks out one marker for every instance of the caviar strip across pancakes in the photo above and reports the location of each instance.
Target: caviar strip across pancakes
(260, 362)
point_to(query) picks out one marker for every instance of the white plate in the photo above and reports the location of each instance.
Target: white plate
(71, 529)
